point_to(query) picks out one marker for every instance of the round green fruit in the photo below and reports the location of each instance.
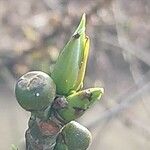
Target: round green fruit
(35, 91)
(74, 136)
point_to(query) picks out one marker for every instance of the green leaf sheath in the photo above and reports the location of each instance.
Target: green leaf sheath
(79, 82)
(78, 103)
(73, 137)
(66, 74)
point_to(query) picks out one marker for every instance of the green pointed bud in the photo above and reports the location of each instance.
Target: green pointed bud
(35, 91)
(73, 137)
(78, 103)
(69, 70)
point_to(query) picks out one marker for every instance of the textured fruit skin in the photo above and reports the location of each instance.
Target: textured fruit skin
(73, 137)
(35, 91)
(69, 70)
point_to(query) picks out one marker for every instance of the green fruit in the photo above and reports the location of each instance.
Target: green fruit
(74, 136)
(60, 146)
(35, 91)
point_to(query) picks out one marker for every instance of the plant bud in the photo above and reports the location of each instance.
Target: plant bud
(35, 91)
(78, 103)
(69, 70)
(73, 137)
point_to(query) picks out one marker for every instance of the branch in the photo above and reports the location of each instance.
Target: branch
(117, 110)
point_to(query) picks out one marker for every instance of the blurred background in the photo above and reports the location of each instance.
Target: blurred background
(32, 32)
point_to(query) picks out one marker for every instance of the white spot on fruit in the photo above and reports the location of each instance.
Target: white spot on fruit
(37, 94)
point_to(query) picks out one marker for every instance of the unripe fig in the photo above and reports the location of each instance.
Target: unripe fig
(35, 91)
(74, 137)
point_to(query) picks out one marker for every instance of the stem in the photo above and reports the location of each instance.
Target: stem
(41, 134)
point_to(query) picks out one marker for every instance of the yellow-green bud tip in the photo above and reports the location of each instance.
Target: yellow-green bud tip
(69, 70)
(81, 27)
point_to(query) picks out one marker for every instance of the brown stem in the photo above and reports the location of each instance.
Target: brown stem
(41, 135)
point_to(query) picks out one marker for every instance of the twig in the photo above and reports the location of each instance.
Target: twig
(117, 110)
(136, 124)
(123, 41)
(141, 55)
